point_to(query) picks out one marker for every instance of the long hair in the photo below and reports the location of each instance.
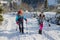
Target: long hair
(20, 12)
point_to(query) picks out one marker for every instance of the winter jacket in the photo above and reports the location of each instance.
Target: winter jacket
(19, 19)
(41, 19)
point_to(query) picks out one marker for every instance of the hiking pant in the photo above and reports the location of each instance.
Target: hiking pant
(21, 28)
(41, 26)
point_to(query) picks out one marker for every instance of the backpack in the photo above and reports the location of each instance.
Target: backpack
(20, 19)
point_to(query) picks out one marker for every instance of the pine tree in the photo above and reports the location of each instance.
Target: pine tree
(1, 17)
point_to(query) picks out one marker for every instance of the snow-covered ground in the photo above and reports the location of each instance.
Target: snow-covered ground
(9, 30)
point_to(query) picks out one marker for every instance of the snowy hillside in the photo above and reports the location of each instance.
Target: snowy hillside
(9, 30)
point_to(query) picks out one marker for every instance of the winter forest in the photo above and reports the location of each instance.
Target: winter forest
(29, 19)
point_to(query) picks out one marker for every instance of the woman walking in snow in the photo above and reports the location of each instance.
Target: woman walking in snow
(41, 19)
(19, 20)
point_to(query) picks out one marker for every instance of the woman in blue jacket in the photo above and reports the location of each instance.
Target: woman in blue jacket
(19, 20)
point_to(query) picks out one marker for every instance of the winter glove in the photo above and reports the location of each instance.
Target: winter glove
(26, 21)
(17, 22)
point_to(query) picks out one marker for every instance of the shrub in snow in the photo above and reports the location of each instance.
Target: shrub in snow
(1, 10)
(58, 18)
(1, 18)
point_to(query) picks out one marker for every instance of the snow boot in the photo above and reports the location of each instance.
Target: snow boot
(40, 31)
(49, 25)
(22, 31)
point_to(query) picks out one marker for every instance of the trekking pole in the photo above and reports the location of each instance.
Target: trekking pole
(26, 28)
(16, 28)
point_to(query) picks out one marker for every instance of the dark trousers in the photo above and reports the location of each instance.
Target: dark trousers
(40, 31)
(21, 28)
